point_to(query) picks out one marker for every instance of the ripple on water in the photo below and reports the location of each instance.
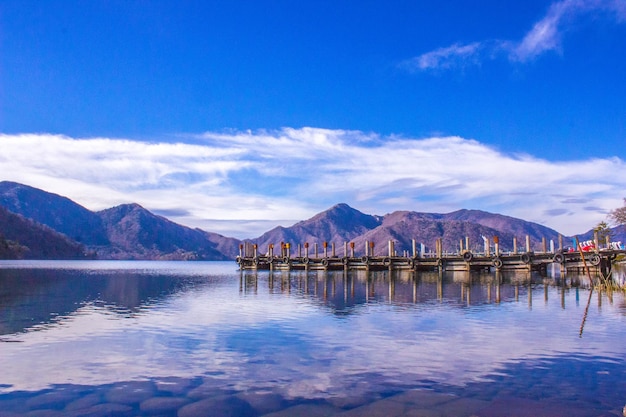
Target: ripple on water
(146, 339)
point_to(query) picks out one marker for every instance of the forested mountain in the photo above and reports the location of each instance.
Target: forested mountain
(338, 224)
(123, 232)
(136, 233)
(55, 211)
(38, 224)
(342, 223)
(22, 238)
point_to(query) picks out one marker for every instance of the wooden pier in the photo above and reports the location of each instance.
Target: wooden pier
(599, 261)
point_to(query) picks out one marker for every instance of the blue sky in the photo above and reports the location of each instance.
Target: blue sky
(236, 116)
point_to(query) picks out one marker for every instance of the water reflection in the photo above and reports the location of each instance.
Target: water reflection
(208, 334)
(32, 298)
(344, 291)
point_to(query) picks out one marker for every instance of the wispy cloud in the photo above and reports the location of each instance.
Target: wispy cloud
(544, 36)
(457, 55)
(242, 184)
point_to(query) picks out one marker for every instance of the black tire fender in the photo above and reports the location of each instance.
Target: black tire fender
(595, 259)
(558, 258)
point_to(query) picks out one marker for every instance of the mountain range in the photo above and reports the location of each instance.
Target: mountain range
(35, 224)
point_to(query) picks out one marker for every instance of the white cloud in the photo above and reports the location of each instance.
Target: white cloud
(544, 36)
(242, 184)
(457, 55)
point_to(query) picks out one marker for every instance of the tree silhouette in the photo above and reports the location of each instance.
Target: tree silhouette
(618, 215)
(603, 231)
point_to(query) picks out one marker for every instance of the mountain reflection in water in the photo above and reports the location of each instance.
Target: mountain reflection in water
(185, 334)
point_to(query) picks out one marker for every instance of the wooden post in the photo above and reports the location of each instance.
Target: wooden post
(345, 249)
(299, 250)
(288, 249)
(496, 245)
(560, 243)
(332, 249)
(414, 247)
(527, 243)
(270, 255)
(372, 248)
(543, 245)
(390, 247)
(367, 248)
(241, 251)
(595, 240)
(352, 249)
(514, 245)
(306, 249)
(316, 250)
(254, 250)
(439, 248)
(461, 246)
(325, 249)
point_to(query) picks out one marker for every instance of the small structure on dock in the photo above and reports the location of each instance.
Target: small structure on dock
(281, 258)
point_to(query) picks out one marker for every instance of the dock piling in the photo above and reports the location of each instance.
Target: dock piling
(438, 259)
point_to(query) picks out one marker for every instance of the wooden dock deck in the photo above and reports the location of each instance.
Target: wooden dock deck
(465, 260)
(524, 261)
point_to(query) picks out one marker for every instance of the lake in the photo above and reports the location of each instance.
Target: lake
(109, 338)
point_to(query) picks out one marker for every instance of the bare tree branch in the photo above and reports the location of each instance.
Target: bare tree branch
(619, 214)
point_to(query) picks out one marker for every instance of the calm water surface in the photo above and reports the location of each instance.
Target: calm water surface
(105, 338)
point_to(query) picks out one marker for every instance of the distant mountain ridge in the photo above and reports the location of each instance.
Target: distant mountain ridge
(38, 224)
(55, 211)
(338, 224)
(135, 231)
(341, 223)
(127, 231)
(22, 238)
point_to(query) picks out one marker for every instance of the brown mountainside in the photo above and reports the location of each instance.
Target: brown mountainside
(131, 232)
(124, 232)
(338, 224)
(22, 238)
(342, 223)
(136, 233)
(55, 211)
